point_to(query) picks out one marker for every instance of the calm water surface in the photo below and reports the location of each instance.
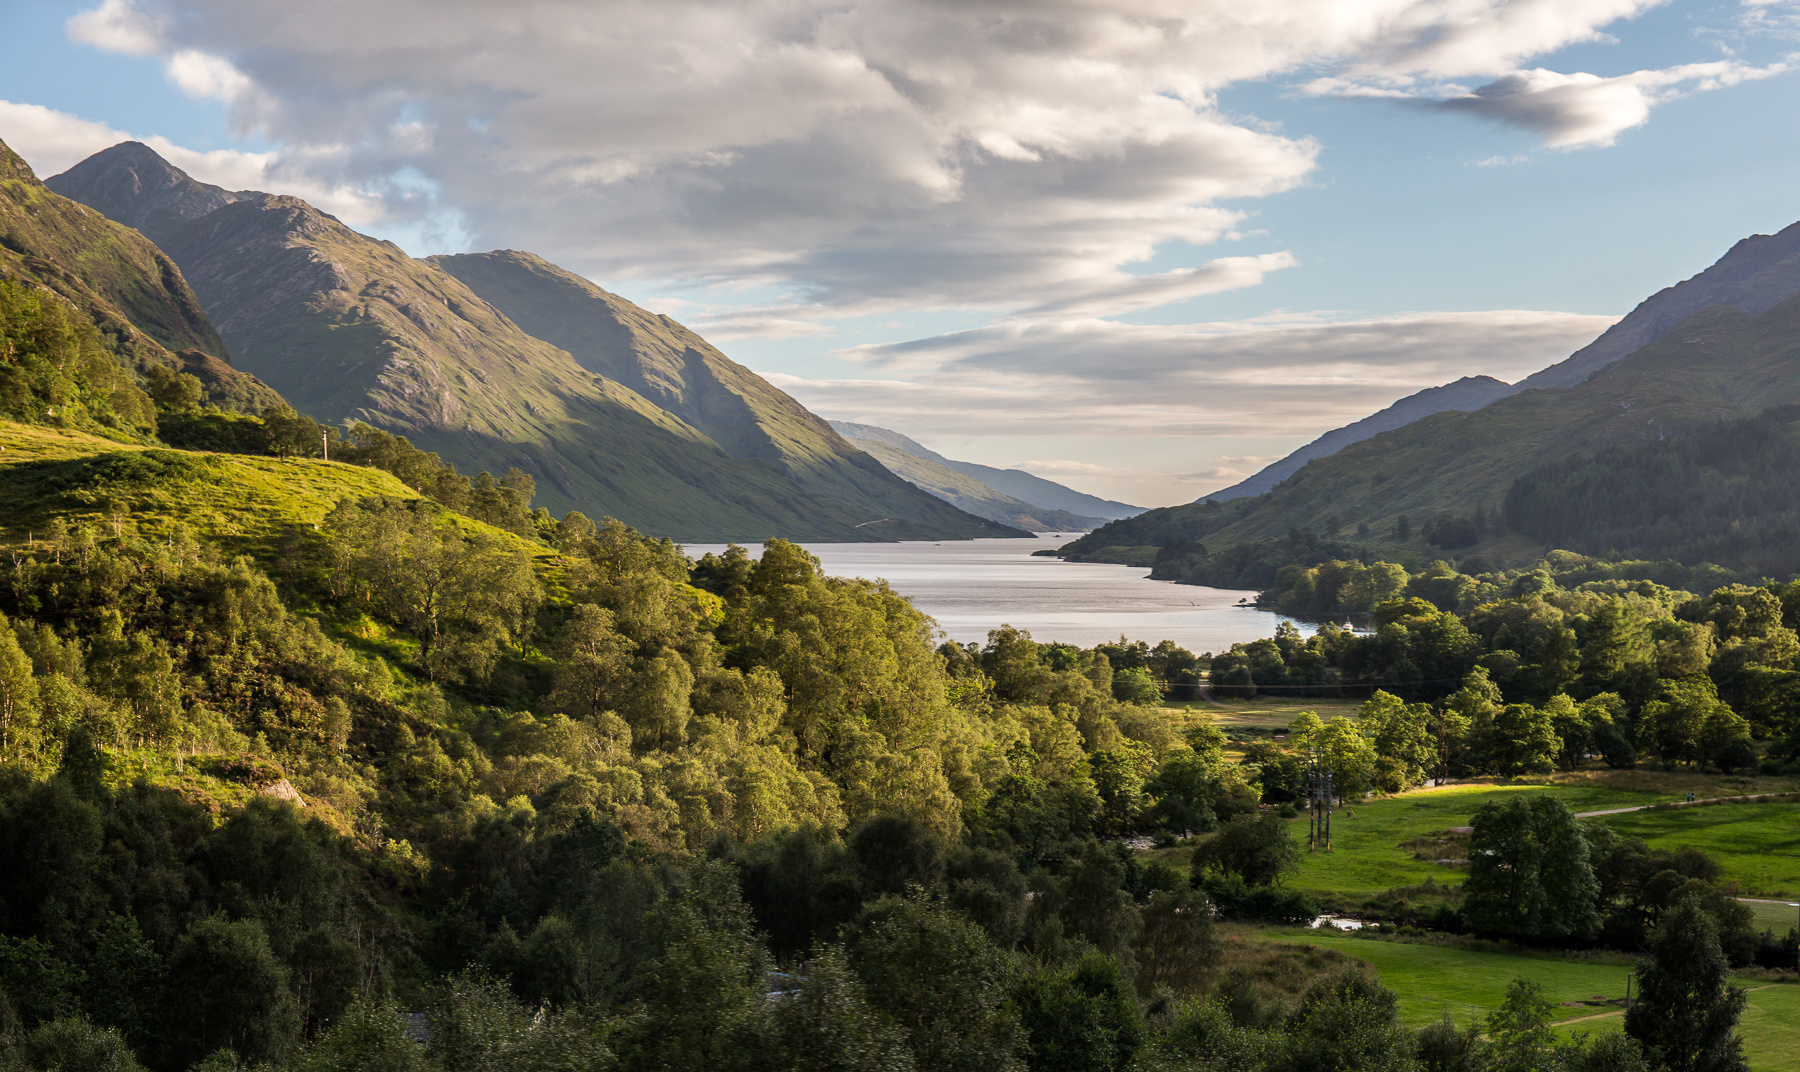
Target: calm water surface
(972, 586)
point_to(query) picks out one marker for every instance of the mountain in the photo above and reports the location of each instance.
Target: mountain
(1468, 393)
(1035, 491)
(683, 374)
(959, 489)
(1717, 364)
(348, 327)
(145, 310)
(1752, 277)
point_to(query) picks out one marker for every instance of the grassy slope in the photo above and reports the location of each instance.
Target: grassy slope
(132, 290)
(241, 501)
(1759, 844)
(1719, 363)
(679, 371)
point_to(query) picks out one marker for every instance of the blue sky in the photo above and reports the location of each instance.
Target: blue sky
(986, 270)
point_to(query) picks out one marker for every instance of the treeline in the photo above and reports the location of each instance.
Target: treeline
(1721, 493)
(1542, 676)
(1248, 564)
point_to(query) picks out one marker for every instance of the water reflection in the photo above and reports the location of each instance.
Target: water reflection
(972, 586)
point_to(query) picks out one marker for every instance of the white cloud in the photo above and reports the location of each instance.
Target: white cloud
(205, 77)
(884, 154)
(1260, 378)
(53, 141)
(117, 26)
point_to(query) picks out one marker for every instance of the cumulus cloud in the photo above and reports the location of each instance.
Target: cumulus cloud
(857, 157)
(1244, 379)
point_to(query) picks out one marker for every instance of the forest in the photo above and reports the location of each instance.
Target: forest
(440, 782)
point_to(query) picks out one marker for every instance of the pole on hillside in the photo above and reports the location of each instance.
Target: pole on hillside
(324, 444)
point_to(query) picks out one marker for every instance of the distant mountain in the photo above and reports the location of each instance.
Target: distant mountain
(1468, 393)
(349, 327)
(961, 490)
(1752, 277)
(1718, 363)
(145, 310)
(1043, 495)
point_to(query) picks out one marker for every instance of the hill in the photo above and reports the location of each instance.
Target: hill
(1468, 393)
(1717, 364)
(920, 467)
(135, 295)
(351, 328)
(1044, 495)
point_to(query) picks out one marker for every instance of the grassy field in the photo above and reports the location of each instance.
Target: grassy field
(1467, 984)
(1759, 844)
(1777, 916)
(1366, 856)
(1266, 712)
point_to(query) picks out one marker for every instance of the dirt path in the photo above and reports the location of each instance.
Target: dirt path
(1621, 1012)
(1666, 804)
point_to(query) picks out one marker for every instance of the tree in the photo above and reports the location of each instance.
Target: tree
(1530, 875)
(1519, 1031)
(1524, 741)
(19, 708)
(1083, 1019)
(1401, 734)
(828, 1024)
(1675, 723)
(1687, 1012)
(1346, 1022)
(174, 392)
(225, 989)
(1176, 946)
(942, 981)
(1256, 848)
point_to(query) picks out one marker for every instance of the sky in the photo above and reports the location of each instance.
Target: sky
(1142, 247)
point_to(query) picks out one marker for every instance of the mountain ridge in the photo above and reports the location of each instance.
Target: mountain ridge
(1465, 394)
(350, 327)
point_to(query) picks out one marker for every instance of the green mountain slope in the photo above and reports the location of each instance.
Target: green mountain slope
(1717, 364)
(349, 327)
(133, 292)
(959, 489)
(683, 374)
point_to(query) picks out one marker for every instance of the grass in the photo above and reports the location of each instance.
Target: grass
(1758, 844)
(1267, 712)
(1433, 980)
(1777, 916)
(1468, 984)
(1366, 856)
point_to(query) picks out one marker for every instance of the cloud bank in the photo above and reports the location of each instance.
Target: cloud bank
(1255, 379)
(880, 155)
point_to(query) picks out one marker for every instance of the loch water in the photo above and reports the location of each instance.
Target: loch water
(972, 586)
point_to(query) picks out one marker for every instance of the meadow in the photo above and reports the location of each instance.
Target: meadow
(1435, 980)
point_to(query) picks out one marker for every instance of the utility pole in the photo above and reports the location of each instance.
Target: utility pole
(1318, 792)
(324, 444)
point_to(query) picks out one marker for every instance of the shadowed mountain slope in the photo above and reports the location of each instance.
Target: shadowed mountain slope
(963, 491)
(134, 293)
(1468, 393)
(684, 375)
(350, 327)
(1035, 491)
(1718, 364)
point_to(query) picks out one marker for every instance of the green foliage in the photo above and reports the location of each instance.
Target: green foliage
(943, 982)
(1256, 848)
(1686, 1013)
(1530, 871)
(55, 371)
